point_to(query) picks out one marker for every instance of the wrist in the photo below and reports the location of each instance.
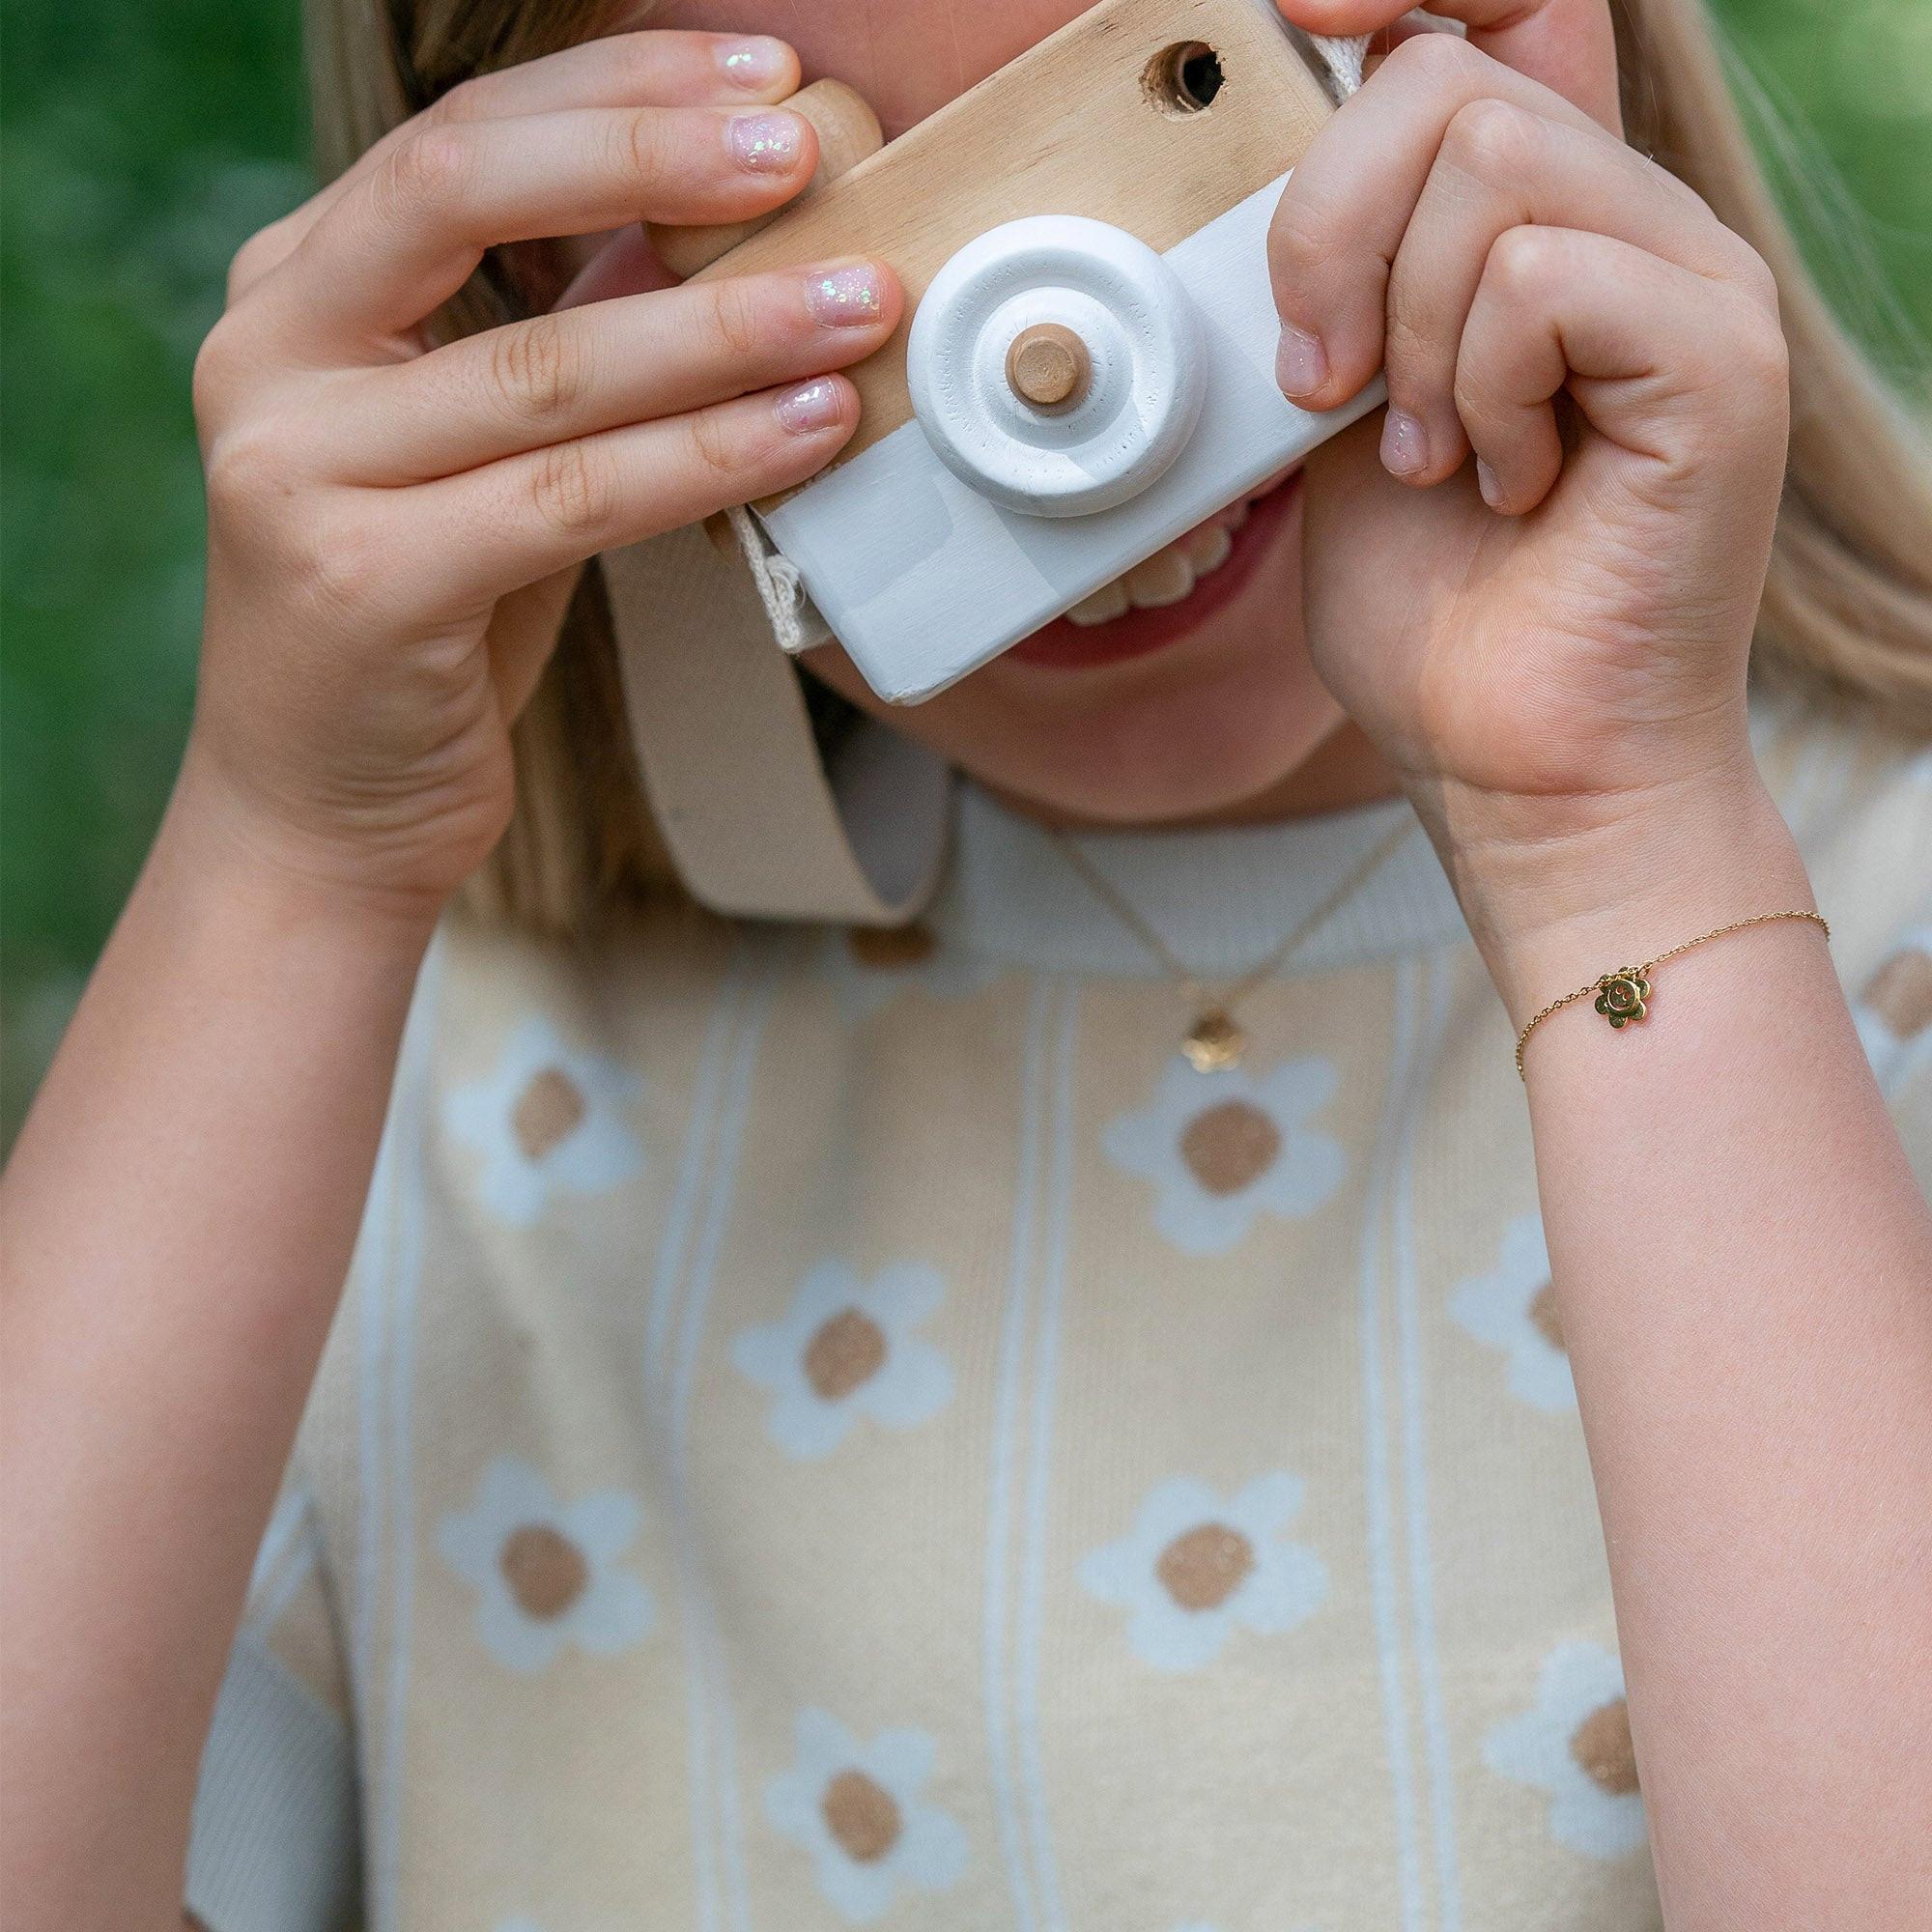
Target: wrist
(1621, 881)
(216, 851)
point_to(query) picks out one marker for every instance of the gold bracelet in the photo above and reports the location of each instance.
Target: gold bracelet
(1624, 996)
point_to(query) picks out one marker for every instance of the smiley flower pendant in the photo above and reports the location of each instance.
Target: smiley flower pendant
(1621, 996)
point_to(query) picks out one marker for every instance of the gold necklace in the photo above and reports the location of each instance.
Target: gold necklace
(1214, 1041)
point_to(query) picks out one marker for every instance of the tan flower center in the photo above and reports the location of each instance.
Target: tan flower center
(848, 1351)
(1900, 994)
(861, 1815)
(1230, 1147)
(1544, 1319)
(548, 1109)
(544, 1570)
(892, 949)
(1204, 1567)
(1601, 1744)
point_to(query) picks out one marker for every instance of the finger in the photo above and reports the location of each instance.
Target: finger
(1349, 203)
(1501, 166)
(659, 68)
(578, 370)
(1670, 367)
(412, 233)
(1569, 45)
(488, 532)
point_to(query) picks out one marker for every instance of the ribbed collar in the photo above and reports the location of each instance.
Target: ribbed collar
(1221, 900)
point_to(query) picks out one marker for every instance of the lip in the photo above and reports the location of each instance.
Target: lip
(1064, 645)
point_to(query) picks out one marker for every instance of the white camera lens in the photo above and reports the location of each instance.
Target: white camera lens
(1127, 343)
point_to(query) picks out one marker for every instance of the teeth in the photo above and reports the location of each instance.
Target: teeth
(1207, 548)
(1107, 603)
(1166, 577)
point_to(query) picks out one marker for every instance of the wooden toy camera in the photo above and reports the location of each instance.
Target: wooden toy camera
(1087, 370)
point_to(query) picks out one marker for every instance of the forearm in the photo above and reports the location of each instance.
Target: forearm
(1742, 1265)
(180, 1212)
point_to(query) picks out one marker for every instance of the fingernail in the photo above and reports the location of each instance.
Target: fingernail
(768, 144)
(1405, 444)
(755, 64)
(816, 404)
(1301, 364)
(844, 296)
(1486, 482)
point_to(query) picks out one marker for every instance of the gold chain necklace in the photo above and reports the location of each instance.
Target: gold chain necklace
(1214, 1041)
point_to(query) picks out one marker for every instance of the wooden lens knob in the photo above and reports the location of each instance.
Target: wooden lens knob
(1050, 366)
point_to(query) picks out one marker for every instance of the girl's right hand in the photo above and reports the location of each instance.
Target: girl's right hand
(394, 528)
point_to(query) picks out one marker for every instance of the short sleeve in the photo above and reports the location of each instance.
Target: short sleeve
(274, 1845)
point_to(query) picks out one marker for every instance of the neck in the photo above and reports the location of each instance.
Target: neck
(1344, 770)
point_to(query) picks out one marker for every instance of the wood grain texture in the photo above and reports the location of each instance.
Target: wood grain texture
(1070, 127)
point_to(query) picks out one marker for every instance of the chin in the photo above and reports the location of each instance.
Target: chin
(1179, 693)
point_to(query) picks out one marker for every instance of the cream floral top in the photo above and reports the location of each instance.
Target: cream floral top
(832, 1430)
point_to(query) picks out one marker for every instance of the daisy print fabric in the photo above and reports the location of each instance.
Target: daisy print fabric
(1575, 1745)
(1197, 1566)
(546, 1575)
(1513, 1309)
(1221, 1148)
(848, 1350)
(862, 1812)
(548, 1120)
(870, 967)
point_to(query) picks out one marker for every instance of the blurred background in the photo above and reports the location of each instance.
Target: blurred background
(140, 145)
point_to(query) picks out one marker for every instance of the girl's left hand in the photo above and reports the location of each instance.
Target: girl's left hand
(1549, 641)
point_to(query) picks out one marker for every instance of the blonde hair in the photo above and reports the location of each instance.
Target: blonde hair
(1847, 605)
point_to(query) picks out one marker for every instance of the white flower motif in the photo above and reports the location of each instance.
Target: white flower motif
(869, 967)
(1194, 1567)
(857, 1810)
(844, 1350)
(1513, 1308)
(546, 1572)
(1576, 1745)
(547, 1121)
(1222, 1147)
(1893, 1014)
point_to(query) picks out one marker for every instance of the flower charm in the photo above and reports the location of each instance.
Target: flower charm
(1222, 1146)
(1513, 1308)
(1195, 1565)
(546, 1572)
(1621, 996)
(857, 1809)
(846, 1350)
(550, 1119)
(1576, 1745)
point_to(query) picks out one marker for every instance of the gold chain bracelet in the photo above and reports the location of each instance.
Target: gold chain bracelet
(1623, 997)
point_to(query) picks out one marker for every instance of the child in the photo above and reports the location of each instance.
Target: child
(1066, 1414)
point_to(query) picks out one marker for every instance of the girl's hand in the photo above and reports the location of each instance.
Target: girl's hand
(395, 529)
(1550, 640)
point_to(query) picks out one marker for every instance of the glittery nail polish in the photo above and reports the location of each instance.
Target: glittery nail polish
(1405, 444)
(754, 65)
(767, 143)
(843, 298)
(811, 406)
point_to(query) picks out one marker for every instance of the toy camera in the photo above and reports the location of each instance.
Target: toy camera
(1087, 370)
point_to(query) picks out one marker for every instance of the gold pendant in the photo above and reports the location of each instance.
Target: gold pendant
(1621, 996)
(1214, 1042)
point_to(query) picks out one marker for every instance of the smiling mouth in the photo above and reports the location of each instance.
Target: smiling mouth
(1170, 594)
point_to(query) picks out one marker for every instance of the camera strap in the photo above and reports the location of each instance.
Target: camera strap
(759, 823)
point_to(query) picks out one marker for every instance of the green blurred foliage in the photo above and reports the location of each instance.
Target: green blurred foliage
(140, 146)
